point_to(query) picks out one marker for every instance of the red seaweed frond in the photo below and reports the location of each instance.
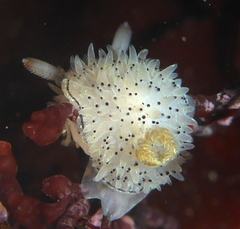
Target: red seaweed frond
(70, 206)
(219, 109)
(47, 125)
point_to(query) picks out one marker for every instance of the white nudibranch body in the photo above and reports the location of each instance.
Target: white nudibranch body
(134, 122)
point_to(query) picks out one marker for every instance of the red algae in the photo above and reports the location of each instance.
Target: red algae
(30, 212)
(26, 210)
(57, 186)
(8, 170)
(46, 125)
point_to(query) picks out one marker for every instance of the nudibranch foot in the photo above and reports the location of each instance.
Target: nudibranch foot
(115, 204)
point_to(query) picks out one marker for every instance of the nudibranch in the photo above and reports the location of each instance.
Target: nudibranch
(134, 121)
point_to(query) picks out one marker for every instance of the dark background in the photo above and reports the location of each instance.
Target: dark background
(209, 61)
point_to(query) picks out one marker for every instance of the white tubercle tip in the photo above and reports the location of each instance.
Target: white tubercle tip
(122, 38)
